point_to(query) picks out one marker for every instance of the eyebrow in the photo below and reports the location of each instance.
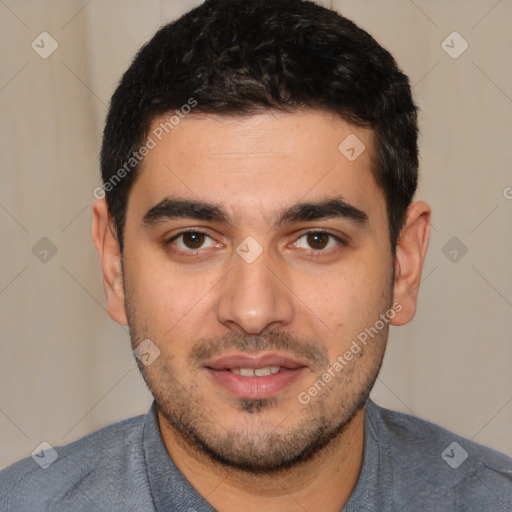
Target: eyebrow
(174, 208)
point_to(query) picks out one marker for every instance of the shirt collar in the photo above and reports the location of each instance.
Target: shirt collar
(170, 490)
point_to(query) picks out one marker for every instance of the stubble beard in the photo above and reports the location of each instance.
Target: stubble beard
(264, 448)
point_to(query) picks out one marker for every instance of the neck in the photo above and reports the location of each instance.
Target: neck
(325, 482)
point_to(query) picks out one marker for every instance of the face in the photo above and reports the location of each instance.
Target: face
(255, 254)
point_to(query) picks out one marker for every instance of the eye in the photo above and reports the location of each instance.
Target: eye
(318, 241)
(190, 241)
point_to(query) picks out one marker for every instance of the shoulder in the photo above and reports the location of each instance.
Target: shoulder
(445, 464)
(103, 469)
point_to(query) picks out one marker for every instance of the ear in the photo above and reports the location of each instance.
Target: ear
(410, 255)
(105, 240)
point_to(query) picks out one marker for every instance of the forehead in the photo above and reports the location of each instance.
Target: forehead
(260, 161)
(269, 133)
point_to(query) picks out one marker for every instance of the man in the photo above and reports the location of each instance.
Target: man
(258, 236)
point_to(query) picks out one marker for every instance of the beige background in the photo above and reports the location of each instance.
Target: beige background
(67, 369)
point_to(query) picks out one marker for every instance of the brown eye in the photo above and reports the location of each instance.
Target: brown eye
(193, 240)
(192, 243)
(318, 241)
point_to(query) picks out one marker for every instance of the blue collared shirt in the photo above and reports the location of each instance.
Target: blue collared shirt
(409, 465)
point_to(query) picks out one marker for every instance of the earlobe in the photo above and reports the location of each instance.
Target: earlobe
(105, 240)
(410, 255)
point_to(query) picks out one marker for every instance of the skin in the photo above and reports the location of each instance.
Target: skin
(301, 299)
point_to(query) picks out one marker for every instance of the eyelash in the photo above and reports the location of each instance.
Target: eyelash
(191, 252)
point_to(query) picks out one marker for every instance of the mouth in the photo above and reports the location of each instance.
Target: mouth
(256, 372)
(258, 377)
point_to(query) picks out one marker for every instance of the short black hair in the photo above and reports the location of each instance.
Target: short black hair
(241, 57)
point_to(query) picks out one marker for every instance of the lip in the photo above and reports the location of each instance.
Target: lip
(255, 387)
(257, 361)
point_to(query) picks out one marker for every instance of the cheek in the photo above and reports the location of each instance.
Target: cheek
(348, 302)
(348, 293)
(169, 304)
(152, 293)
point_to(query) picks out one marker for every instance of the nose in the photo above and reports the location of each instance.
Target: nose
(254, 297)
